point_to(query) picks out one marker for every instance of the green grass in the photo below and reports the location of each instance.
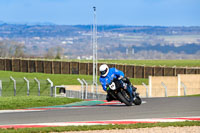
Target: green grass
(100, 127)
(58, 79)
(197, 95)
(22, 102)
(171, 63)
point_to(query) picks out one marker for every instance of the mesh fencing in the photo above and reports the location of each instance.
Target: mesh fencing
(8, 88)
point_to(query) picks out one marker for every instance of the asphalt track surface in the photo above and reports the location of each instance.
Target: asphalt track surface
(153, 108)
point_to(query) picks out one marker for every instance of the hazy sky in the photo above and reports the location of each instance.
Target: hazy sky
(126, 12)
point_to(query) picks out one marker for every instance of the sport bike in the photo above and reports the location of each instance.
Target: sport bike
(121, 91)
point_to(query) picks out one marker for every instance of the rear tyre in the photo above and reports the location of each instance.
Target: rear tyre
(123, 99)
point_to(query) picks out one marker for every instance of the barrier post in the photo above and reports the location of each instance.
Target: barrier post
(28, 87)
(86, 87)
(147, 90)
(51, 89)
(38, 83)
(82, 87)
(14, 84)
(165, 88)
(185, 88)
(179, 85)
(150, 86)
(96, 91)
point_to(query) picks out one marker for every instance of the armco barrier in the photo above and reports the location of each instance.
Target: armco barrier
(61, 67)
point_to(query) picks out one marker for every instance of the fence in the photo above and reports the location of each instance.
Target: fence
(25, 87)
(61, 67)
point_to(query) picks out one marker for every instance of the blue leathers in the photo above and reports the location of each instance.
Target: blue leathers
(113, 73)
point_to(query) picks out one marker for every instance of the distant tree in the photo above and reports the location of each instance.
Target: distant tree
(11, 49)
(50, 53)
(3, 49)
(19, 50)
(59, 52)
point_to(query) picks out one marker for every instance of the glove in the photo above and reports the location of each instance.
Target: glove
(120, 77)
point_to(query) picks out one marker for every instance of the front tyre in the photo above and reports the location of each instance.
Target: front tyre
(137, 100)
(123, 99)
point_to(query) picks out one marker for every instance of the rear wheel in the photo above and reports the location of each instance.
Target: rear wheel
(123, 99)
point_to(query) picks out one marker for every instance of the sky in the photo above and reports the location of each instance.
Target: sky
(123, 12)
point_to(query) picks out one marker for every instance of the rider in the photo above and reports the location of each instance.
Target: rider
(107, 75)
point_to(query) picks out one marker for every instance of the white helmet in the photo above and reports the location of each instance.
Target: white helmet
(104, 69)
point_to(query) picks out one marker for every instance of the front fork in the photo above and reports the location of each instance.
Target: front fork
(132, 92)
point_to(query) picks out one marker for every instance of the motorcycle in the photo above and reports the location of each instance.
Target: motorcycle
(120, 90)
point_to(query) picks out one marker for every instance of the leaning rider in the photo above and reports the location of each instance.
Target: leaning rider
(107, 75)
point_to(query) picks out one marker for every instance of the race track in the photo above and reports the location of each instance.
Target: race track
(151, 108)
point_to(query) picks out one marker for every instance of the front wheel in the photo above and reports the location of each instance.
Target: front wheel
(137, 100)
(123, 99)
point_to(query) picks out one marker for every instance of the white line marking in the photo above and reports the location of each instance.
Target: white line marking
(17, 111)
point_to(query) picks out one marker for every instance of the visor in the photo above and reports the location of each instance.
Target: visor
(104, 72)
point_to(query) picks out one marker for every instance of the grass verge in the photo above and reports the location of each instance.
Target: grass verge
(100, 127)
(23, 102)
(169, 63)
